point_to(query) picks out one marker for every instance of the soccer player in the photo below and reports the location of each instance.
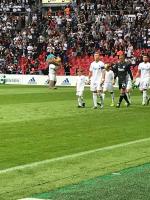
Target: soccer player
(122, 70)
(108, 80)
(144, 73)
(80, 84)
(129, 88)
(95, 75)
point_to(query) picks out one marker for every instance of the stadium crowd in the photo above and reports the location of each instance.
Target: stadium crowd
(28, 33)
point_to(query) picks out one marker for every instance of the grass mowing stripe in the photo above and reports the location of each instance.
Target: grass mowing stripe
(21, 167)
(32, 199)
(107, 187)
(43, 178)
(38, 140)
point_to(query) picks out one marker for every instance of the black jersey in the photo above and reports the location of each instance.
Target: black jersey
(122, 70)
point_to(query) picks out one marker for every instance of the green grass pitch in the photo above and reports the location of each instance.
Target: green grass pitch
(37, 124)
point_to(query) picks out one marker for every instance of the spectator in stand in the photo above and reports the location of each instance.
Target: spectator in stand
(108, 26)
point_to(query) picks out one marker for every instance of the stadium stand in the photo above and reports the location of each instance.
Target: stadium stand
(28, 33)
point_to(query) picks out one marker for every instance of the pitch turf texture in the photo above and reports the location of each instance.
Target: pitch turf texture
(38, 124)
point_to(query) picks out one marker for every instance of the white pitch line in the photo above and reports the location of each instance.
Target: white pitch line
(35, 164)
(33, 199)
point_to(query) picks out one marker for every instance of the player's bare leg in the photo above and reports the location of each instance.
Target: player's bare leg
(51, 84)
(128, 93)
(54, 85)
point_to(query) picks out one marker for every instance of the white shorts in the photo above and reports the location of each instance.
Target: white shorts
(129, 85)
(52, 77)
(108, 87)
(95, 86)
(144, 84)
(79, 93)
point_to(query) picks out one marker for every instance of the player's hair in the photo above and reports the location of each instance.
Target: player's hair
(145, 55)
(79, 70)
(96, 53)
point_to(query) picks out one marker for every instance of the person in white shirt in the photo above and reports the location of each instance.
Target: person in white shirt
(80, 84)
(95, 75)
(129, 51)
(144, 73)
(129, 87)
(54, 64)
(108, 80)
(30, 50)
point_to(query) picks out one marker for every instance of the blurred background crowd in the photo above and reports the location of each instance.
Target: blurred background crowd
(30, 32)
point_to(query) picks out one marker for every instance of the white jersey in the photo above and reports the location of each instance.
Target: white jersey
(52, 69)
(109, 76)
(80, 83)
(145, 70)
(96, 69)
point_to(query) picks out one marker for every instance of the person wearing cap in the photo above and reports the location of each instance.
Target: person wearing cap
(53, 64)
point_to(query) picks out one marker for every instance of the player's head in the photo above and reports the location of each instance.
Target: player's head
(121, 58)
(145, 58)
(107, 66)
(96, 56)
(58, 60)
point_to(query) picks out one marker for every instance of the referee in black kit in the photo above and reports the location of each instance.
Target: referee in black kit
(122, 70)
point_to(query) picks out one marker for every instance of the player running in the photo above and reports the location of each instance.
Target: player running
(144, 73)
(122, 70)
(95, 75)
(108, 80)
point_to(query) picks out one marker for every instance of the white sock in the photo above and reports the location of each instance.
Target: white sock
(102, 97)
(82, 101)
(95, 99)
(144, 96)
(79, 101)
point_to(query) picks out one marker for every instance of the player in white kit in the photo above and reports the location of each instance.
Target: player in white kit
(95, 75)
(80, 84)
(144, 73)
(108, 80)
(129, 88)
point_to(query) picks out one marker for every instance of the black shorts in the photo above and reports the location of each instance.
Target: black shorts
(122, 86)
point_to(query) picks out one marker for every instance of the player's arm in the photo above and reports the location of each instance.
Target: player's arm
(113, 78)
(103, 76)
(129, 72)
(137, 74)
(115, 71)
(90, 74)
